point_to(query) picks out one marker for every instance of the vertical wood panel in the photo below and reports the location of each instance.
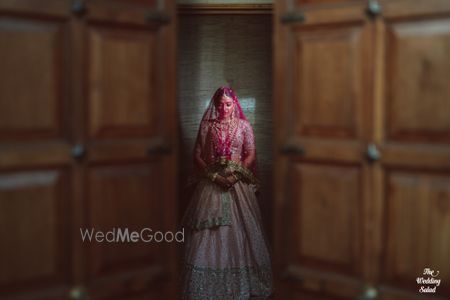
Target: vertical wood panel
(122, 67)
(33, 79)
(417, 75)
(417, 226)
(46, 152)
(35, 252)
(334, 215)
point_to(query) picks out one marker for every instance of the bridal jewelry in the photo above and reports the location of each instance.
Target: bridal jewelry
(225, 134)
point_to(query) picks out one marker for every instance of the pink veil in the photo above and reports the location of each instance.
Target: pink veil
(211, 111)
(212, 114)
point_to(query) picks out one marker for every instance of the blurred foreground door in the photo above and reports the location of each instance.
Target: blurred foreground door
(88, 139)
(362, 148)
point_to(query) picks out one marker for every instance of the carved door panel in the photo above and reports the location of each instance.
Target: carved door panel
(412, 130)
(362, 148)
(36, 171)
(322, 177)
(129, 163)
(88, 130)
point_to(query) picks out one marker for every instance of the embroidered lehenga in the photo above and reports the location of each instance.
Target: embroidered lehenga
(225, 252)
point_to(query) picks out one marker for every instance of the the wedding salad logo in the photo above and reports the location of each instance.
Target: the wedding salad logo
(429, 281)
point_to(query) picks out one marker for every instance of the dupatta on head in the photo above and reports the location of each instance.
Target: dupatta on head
(211, 114)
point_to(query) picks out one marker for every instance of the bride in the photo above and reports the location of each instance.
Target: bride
(225, 254)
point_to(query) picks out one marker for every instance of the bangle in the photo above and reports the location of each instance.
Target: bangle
(212, 176)
(235, 177)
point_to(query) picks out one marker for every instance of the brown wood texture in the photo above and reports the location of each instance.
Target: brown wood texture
(225, 9)
(88, 139)
(413, 129)
(35, 168)
(323, 2)
(348, 83)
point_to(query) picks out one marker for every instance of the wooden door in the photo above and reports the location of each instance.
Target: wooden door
(411, 181)
(88, 139)
(322, 120)
(129, 116)
(352, 153)
(36, 169)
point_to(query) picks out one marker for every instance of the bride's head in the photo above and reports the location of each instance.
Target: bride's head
(224, 102)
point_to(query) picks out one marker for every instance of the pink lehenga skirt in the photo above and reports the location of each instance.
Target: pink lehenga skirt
(225, 251)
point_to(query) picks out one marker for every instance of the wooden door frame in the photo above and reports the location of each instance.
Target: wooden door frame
(225, 9)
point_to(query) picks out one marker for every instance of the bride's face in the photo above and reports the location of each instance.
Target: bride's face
(225, 107)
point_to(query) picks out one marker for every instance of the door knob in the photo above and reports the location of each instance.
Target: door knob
(293, 150)
(369, 293)
(373, 8)
(79, 7)
(78, 151)
(159, 149)
(372, 153)
(158, 17)
(293, 17)
(78, 293)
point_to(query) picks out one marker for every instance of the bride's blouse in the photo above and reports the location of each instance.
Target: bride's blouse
(242, 141)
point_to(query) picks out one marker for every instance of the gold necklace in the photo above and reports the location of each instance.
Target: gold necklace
(226, 133)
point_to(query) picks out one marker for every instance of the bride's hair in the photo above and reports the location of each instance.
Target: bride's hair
(224, 91)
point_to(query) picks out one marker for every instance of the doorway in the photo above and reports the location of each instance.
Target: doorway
(227, 45)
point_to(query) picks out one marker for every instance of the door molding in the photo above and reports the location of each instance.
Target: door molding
(224, 9)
